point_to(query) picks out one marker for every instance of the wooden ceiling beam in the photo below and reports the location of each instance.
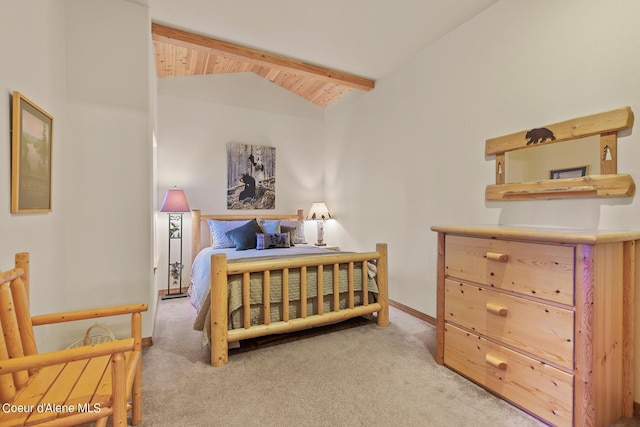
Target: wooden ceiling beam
(164, 34)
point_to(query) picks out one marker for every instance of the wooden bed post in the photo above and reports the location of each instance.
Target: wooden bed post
(219, 309)
(382, 277)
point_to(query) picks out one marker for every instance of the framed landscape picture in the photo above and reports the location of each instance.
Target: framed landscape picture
(31, 150)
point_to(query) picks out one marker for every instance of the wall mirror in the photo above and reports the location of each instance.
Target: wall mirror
(570, 159)
(553, 161)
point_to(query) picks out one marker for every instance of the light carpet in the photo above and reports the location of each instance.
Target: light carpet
(365, 375)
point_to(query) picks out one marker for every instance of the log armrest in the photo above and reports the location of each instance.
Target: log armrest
(48, 319)
(65, 356)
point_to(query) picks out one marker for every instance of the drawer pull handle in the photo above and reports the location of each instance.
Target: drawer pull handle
(496, 362)
(494, 256)
(497, 309)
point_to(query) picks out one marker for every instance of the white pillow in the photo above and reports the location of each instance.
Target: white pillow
(219, 231)
(298, 235)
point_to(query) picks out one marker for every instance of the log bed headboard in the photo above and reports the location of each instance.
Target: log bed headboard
(201, 237)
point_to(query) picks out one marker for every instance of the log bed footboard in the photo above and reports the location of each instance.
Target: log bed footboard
(220, 270)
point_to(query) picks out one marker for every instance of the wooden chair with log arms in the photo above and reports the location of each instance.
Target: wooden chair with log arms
(66, 387)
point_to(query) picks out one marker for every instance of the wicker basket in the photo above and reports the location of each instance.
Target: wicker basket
(97, 338)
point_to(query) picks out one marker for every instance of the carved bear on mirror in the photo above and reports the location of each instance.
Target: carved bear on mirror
(539, 135)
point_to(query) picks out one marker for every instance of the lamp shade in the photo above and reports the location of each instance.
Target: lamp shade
(319, 211)
(175, 201)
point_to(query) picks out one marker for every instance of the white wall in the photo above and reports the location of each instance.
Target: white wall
(34, 66)
(94, 248)
(410, 154)
(198, 116)
(109, 149)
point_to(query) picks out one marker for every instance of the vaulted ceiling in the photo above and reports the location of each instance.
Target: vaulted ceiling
(318, 50)
(181, 53)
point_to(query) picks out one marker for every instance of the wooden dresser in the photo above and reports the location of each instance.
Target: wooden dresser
(542, 318)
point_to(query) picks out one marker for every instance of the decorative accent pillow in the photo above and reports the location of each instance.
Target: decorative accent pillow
(244, 237)
(219, 231)
(269, 226)
(298, 234)
(291, 231)
(276, 240)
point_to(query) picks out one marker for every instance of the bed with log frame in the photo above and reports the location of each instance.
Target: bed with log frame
(295, 292)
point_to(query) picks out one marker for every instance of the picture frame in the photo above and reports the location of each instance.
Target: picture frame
(251, 176)
(31, 156)
(576, 172)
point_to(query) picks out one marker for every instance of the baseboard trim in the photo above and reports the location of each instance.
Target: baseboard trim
(413, 312)
(162, 292)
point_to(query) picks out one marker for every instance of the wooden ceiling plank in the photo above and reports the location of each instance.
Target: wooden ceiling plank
(220, 65)
(159, 49)
(200, 63)
(298, 85)
(183, 61)
(209, 63)
(168, 63)
(161, 33)
(272, 74)
(261, 71)
(326, 94)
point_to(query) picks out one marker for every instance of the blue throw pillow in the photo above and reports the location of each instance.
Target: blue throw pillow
(244, 237)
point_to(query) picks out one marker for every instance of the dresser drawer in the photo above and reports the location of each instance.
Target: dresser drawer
(536, 387)
(540, 270)
(540, 329)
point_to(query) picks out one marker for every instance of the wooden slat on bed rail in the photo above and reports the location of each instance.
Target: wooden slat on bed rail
(300, 324)
(308, 261)
(320, 290)
(336, 287)
(303, 291)
(266, 296)
(246, 300)
(351, 301)
(285, 294)
(365, 284)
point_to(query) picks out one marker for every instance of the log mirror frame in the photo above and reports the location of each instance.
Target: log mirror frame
(608, 184)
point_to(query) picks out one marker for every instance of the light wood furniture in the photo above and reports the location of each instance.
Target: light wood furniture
(221, 270)
(67, 387)
(608, 184)
(543, 318)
